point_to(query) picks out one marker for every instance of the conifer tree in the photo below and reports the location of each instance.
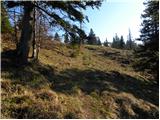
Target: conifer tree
(122, 43)
(148, 52)
(105, 43)
(66, 38)
(116, 42)
(5, 23)
(129, 42)
(56, 37)
(48, 9)
(92, 40)
(98, 41)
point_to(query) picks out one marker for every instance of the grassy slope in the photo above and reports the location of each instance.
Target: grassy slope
(99, 83)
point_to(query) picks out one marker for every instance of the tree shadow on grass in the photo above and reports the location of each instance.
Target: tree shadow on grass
(34, 74)
(37, 75)
(123, 60)
(96, 80)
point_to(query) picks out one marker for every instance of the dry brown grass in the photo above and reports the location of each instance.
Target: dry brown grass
(98, 83)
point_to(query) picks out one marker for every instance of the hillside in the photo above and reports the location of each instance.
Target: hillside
(99, 83)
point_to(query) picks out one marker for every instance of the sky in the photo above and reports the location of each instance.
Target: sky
(115, 16)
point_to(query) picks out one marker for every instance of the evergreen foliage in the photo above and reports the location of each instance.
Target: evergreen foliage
(5, 23)
(70, 12)
(92, 40)
(56, 37)
(66, 38)
(119, 43)
(98, 41)
(122, 43)
(106, 43)
(129, 42)
(148, 52)
(116, 42)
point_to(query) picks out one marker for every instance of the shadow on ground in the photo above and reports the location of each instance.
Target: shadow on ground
(96, 80)
(36, 75)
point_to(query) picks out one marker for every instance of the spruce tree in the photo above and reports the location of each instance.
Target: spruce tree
(113, 43)
(105, 43)
(73, 10)
(116, 42)
(66, 38)
(98, 41)
(56, 37)
(92, 40)
(129, 42)
(148, 52)
(122, 43)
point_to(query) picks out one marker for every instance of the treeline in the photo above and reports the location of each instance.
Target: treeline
(119, 42)
(90, 39)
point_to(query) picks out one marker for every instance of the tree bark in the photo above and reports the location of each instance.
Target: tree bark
(81, 39)
(24, 45)
(34, 36)
(15, 30)
(39, 40)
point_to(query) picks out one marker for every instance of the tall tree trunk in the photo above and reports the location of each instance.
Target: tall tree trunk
(39, 39)
(24, 45)
(15, 30)
(81, 39)
(34, 36)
